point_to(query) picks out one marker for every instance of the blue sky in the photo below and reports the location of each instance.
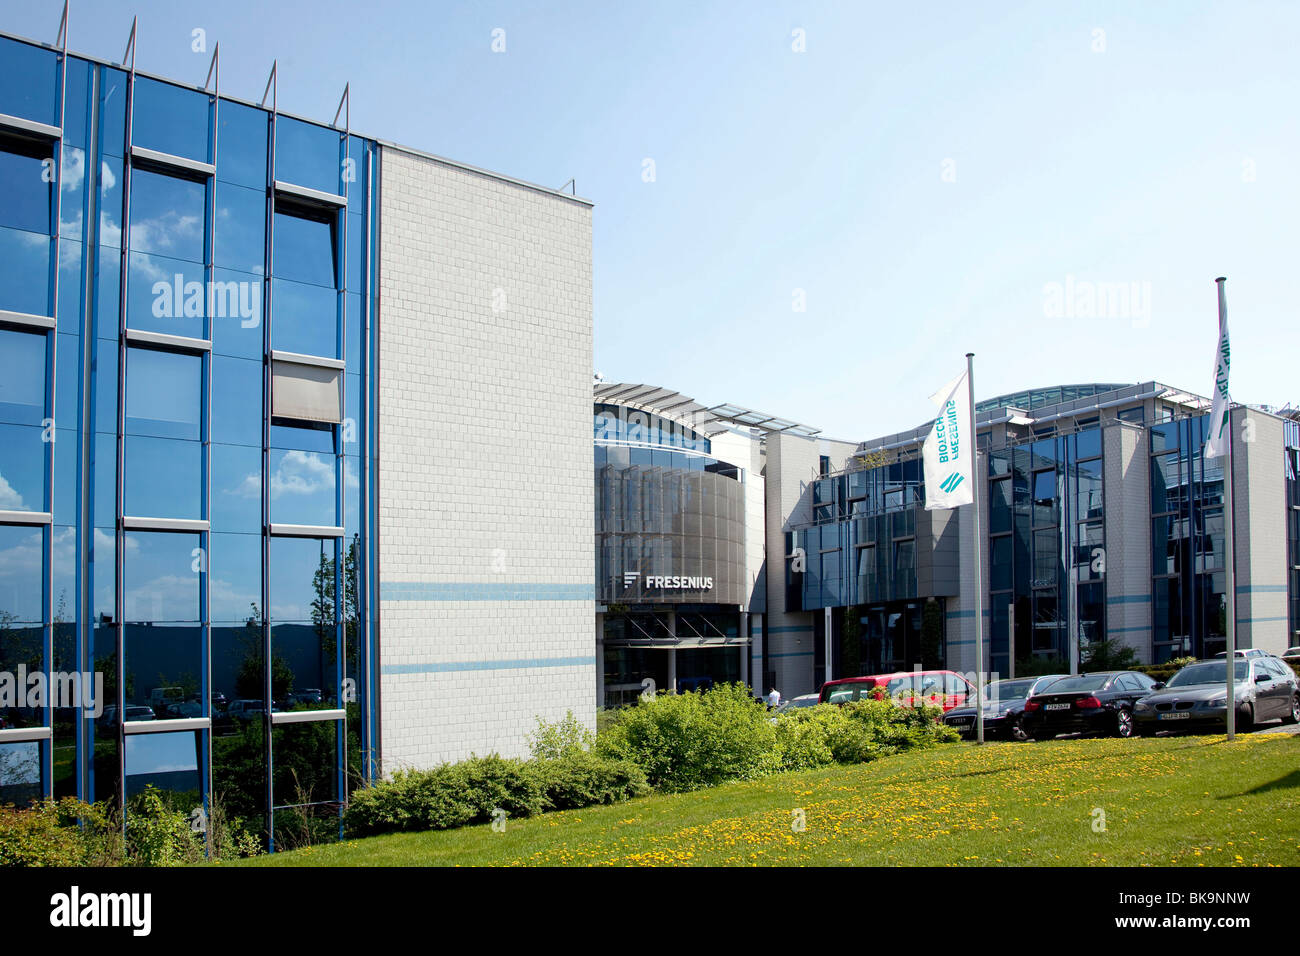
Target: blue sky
(921, 171)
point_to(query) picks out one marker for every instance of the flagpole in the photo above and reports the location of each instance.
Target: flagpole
(1229, 552)
(979, 570)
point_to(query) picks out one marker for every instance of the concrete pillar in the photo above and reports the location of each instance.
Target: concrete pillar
(672, 651)
(830, 640)
(756, 657)
(600, 661)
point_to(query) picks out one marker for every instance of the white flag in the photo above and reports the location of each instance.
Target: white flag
(1216, 444)
(948, 454)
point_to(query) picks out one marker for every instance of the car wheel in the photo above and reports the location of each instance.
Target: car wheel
(1124, 722)
(1246, 720)
(1018, 732)
(1293, 717)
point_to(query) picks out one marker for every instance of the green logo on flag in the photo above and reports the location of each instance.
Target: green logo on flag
(949, 484)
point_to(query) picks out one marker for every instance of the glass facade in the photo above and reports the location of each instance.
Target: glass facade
(664, 512)
(1188, 598)
(1046, 538)
(186, 444)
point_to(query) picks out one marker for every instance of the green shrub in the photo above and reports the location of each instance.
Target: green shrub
(855, 733)
(584, 779)
(48, 834)
(690, 741)
(157, 835)
(560, 739)
(450, 795)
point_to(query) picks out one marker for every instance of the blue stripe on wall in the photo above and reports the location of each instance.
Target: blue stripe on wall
(484, 591)
(1129, 599)
(966, 613)
(790, 629)
(448, 667)
(793, 654)
(1263, 588)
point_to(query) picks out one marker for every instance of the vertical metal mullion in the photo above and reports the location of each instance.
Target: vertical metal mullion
(266, 474)
(119, 608)
(205, 594)
(370, 491)
(85, 429)
(340, 492)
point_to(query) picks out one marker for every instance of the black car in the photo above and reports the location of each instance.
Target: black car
(1098, 703)
(1004, 708)
(1196, 697)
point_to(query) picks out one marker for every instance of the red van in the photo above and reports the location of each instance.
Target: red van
(946, 689)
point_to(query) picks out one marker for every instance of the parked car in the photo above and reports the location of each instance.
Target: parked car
(1244, 652)
(1004, 708)
(1097, 703)
(1266, 689)
(946, 689)
(108, 719)
(245, 710)
(1292, 651)
(797, 703)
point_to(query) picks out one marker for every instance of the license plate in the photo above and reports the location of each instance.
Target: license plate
(962, 721)
(1175, 715)
(1056, 707)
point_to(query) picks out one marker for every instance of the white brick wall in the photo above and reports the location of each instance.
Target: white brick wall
(485, 474)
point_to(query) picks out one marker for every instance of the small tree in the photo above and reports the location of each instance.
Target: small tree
(1107, 655)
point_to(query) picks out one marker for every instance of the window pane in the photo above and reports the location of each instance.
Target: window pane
(300, 593)
(163, 393)
(164, 664)
(25, 271)
(163, 478)
(237, 314)
(171, 119)
(236, 401)
(28, 81)
(21, 586)
(161, 578)
(22, 378)
(20, 773)
(304, 250)
(166, 295)
(235, 569)
(236, 489)
(22, 468)
(26, 186)
(168, 215)
(167, 762)
(241, 144)
(302, 488)
(305, 319)
(308, 155)
(240, 229)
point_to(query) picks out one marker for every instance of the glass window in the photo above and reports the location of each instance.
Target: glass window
(241, 144)
(168, 762)
(304, 249)
(171, 119)
(236, 401)
(161, 577)
(237, 314)
(25, 271)
(239, 234)
(21, 769)
(163, 477)
(168, 215)
(26, 185)
(22, 378)
(301, 572)
(29, 80)
(166, 295)
(302, 488)
(22, 468)
(236, 489)
(163, 393)
(305, 319)
(235, 577)
(21, 585)
(308, 155)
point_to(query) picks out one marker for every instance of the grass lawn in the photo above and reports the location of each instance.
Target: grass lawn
(1182, 801)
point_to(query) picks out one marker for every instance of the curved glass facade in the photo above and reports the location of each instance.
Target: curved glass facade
(670, 528)
(181, 512)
